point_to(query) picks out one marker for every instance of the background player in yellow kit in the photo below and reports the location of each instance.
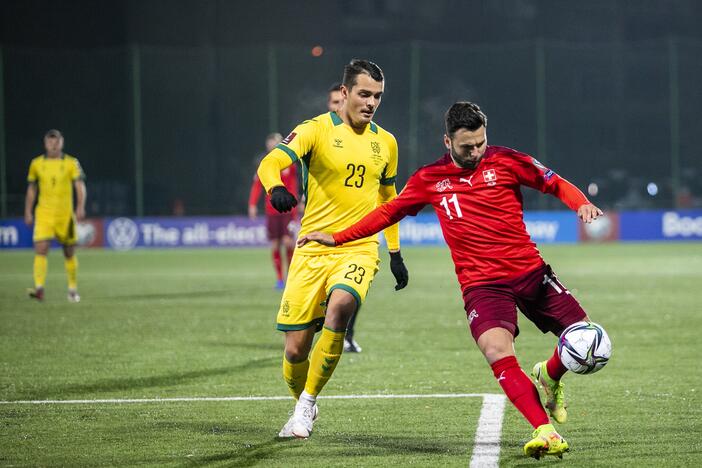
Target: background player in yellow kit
(55, 175)
(349, 165)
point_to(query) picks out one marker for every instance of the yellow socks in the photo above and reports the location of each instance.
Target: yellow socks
(323, 359)
(295, 375)
(41, 265)
(72, 272)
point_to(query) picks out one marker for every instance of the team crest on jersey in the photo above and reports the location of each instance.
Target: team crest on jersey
(375, 146)
(490, 177)
(289, 138)
(338, 143)
(443, 185)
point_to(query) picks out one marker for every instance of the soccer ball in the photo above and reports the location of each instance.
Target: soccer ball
(584, 347)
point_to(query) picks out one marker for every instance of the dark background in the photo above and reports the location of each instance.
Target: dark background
(604, 92)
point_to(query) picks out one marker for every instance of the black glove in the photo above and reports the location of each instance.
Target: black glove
(399, 270)
(282, 200)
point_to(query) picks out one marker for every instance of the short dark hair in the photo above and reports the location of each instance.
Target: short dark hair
(466, 115)
(335, 87)
(53, 133)
(357, 66)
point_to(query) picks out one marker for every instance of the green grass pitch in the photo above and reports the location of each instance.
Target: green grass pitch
(201, 323)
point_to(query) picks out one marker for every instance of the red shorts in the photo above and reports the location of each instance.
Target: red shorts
(277, 225)
(538, 294)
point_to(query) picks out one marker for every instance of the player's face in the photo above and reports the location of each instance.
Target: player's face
(334, 101)
(467, 147)
(53, 145)
(272, 143)
(362, 100)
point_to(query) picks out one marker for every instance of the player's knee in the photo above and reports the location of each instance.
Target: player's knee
(494, 354)
(495, 344)
(340, 311)
(295, 353)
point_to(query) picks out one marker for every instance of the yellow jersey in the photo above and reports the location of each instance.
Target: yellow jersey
(54, 178)
(345, 175)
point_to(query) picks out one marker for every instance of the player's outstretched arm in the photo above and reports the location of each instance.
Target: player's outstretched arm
(588, 213)
(323, 238)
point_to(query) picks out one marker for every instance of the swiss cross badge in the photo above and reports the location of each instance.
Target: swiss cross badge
(443, 185)
(490, 177)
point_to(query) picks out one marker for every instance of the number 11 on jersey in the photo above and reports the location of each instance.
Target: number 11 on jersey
(454, 200)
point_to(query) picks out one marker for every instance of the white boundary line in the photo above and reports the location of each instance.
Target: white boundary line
(486, 449)
(245, 398)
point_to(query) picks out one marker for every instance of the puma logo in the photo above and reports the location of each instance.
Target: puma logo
(468, 180)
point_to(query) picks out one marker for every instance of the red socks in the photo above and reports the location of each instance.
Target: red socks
(555, 367)
(520, 390)
(278, 264)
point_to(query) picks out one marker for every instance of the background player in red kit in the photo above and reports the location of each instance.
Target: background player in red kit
(475, 191)
(277, 224)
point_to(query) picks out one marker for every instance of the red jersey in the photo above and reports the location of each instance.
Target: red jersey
(480, 211)
(289, 178)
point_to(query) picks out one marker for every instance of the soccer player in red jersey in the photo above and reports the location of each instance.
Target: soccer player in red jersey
(277, 224)
(475, 190)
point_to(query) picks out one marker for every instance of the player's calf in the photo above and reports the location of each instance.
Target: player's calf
(553, 390)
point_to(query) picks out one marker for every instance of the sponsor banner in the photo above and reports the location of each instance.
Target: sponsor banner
(661, 225)
(543, 226)
(236, 231)
(547, 227)
(603, 229)
(14, 234)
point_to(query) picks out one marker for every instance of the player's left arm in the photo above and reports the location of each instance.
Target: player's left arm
(387, 193)
(576, 200)
(80, 190)
(532, 173)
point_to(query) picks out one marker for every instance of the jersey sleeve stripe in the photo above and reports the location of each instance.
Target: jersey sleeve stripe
(288, 151)
(388, 180)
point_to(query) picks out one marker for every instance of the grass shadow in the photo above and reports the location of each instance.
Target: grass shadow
(134, 383)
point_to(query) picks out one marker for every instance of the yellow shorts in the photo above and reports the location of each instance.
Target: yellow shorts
(312, 278)
(48, 226)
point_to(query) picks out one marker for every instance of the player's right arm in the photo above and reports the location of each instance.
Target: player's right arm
(254, 195)
(409, 202)
(297, 144)
(31, 195)
(29, 200)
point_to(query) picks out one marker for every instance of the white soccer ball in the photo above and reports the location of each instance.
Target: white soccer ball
(584, 347)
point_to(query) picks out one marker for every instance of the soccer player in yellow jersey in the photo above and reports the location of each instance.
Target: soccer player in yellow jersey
(349, 165)
(55, 175)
